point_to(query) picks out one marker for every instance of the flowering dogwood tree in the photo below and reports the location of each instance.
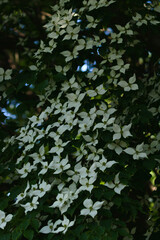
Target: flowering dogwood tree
(83, 162)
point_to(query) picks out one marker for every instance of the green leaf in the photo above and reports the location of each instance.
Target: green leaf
(84, 236)
(29, 234)
(5, 236)
(16, 234)
(35, 224)
(79, 229)
(23, 226)
(113, 236)
(123, 231)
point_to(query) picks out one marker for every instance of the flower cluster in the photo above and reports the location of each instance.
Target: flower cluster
(83, 131)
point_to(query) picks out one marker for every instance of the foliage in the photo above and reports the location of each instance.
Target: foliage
(80, 157)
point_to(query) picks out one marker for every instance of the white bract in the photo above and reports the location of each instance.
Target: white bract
(137, 153)
(5, 75)
(87, 184)
(48, 229)
(116, 185)
(62, 166)
(22, 195)
(105, 122)
(4, 219)
(95, 73)
(70, 55)
(65, 224)
(31, 205)
(98, 91)
(103, 164)
(91, 208)
(131, 85)
(72, 33)
(121, 66)
(125, 30)
(27, 168)
(121, 131)
(42, 189)
(59, 147)
(92, 22)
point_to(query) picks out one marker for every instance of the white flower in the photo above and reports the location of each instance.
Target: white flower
(85, 125)
(72, 191)
(80, 152)
(22, 195)
(84, 172)
(70, 55)
(74, 99)
(98, 91)
(85, 43)
(63, 202)
(72, 33)
(31, 205)
(103, 109)
(95, 153)
(70, 84)
(60, 108)
(140, 21)
(55, 34)
(117, 146)
(95, 73)
(125, 30)
(75, 174)
(43, 188)
(59, 147)
(56, 135)
(62, 165)
(64, 69)
(113, 77)
(48, 229)
(38, 157)
(91, 140)
(105, 122)
(137, 153)
(66, 20)
(44, 168)
(27, 168)
(4, 219)
(87, 184)
(121, 66)
(103, 164)
(32, 191)
(65, 225)
(91, 114)
(121, 131)
(118, 187)
(129, 86)
(92, 22)
(91, 209)
(116, 38)
(5, 75)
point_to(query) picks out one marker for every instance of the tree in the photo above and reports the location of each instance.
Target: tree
(80, 148)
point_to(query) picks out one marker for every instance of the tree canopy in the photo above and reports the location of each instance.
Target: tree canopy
(79, 136)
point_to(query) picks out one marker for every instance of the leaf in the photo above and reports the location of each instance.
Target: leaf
(23, 226)
(16, 234)
(5, 236)
(29, 234)
(79, 229)
(84, 236)
(35, 224)
(123, 232)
